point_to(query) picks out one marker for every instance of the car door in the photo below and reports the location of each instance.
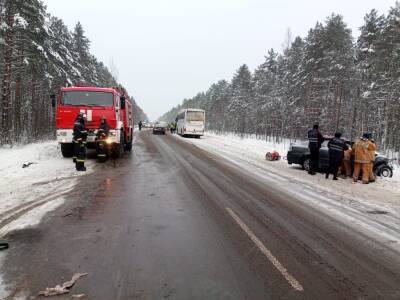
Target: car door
(324, 156)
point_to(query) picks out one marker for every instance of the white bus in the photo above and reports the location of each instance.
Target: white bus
(190, 122)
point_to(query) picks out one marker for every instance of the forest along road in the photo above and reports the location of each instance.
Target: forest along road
(172, 221)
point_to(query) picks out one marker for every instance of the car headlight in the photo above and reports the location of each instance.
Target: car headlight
(109, 141)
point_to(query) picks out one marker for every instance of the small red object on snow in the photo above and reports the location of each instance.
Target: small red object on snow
(271, 156)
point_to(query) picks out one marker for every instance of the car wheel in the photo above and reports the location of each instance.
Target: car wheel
(306, 164)
(385, 171)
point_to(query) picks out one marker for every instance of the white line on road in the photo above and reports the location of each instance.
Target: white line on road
(292, 281)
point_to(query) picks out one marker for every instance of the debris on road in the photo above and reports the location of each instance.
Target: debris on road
(271, 156)
(377, 212)
(78, 296)
(3, 245)
(28, 165)
(62, 289)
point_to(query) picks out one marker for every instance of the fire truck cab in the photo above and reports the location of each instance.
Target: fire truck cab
(112, 103)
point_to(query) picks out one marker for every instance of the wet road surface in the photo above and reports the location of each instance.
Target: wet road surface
(171, 221)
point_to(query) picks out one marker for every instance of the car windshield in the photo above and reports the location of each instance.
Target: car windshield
(78, 98)
(195, 116)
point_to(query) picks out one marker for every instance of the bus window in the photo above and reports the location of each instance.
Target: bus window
(195, 116)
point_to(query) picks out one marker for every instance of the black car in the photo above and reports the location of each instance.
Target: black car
(160, 127)
(300, 154)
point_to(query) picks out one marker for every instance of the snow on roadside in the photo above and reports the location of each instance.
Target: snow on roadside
(34, 187)
(250, 153)
(352, 205)
(28, 194)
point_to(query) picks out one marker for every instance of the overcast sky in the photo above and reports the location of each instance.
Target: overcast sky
(168, 50)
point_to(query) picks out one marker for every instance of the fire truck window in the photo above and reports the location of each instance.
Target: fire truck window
(87, 98)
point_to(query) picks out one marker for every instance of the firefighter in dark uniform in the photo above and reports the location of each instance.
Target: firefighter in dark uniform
(315, 140)
(80, 135)
(336, 147)
(102, 135)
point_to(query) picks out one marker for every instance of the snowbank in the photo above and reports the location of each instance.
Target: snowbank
(27, 194)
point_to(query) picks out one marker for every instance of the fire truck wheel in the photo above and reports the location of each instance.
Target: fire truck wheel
(67, 149)
(128, 146)
(118, 149)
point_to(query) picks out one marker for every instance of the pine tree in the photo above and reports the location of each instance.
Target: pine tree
(241, 92)
(323, 78)
(81, 46)
(38, 55)
(369, 62)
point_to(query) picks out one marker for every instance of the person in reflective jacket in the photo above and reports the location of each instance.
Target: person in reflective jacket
(102, 135)
(79, 120)
(315, 140)
(336, 147)
(79, 137)
(346, 163)
(362, 160)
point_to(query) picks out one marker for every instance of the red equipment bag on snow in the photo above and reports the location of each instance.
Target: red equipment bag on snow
(271, 156)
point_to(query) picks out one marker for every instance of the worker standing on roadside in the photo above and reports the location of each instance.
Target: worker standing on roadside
(78, 120)
(362, 161)
(173, 127)
(101, 136)
(315, 140)
(371, 152)
(336, 147)
(346, 163)
(140, 125)
(79, 136)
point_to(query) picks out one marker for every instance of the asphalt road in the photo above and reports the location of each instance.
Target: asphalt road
(171, 221)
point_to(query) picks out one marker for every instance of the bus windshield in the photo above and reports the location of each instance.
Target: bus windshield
(195, 116)
(86, 98)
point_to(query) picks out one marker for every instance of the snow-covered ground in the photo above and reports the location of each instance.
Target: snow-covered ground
(27, 194)
(351, 203)
(251, 152)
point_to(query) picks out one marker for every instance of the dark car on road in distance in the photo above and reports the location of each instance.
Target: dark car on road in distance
(300, 154)
(160, 127)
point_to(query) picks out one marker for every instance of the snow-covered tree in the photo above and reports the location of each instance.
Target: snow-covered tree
(38, 54)
(324, 77)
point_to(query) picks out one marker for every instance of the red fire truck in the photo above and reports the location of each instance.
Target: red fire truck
(112, 103)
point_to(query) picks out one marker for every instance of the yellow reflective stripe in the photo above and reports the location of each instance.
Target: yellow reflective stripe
(362, 161)
(80, 160)
(101, 155)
